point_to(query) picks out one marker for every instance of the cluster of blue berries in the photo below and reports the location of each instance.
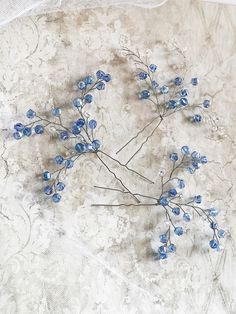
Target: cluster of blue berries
(80, 130)
(174, 206)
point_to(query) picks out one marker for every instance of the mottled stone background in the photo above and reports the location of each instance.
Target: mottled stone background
(74, 258)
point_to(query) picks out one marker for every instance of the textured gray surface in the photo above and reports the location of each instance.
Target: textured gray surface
(74, 258)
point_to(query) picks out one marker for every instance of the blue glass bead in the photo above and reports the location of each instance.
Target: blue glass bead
(174, 156)
(213, 212)
(178, 231)
(17, 135)
(92, 124)
(206, 103)
(213, 244)
(56, 112)
(197, 118)
(19, 126)
(164, 89)
(88, 98)
(185, 150)
(100, 74)
(183, 101)
(145, 94)
(59, 160)
(196, 155)
(171, 248)
(181, 184)
(198, 199)
(81, 85)
(196, 165)
(60, 186)
(56, 197)
(172, 192)
(96, 144)
(163, 238)
(80, 148)
(107, 77)
(178, 81)
(163, 201)
(46, 175)
(142, 75)
(48, 190)
(76, 129)
(194, 81)
(172, 104)
(100, 86)
(163, 256)
(77, 102)
(30, 114)
(39, 129)
(221, 233)
(80, 122)
(203, 159)
(64, 135)
(176, 211)
(186, 217)
(213, 225)
(89, 80)
(154, 84)
(152, 68)
(69, 163)
(184, 92)
(89, 147)
(190, 170)
(27, 131)
(162, 249)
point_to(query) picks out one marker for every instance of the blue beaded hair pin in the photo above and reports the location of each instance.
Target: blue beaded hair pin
(80, 131)
(178, 209)
(167, 99)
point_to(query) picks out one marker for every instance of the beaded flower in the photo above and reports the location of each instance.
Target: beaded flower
(178, 210)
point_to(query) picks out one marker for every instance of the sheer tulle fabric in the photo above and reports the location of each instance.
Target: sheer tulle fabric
(11, 9)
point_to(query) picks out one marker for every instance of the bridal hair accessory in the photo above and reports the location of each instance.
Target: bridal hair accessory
(80, 132)
(179, 210)
(167, 100)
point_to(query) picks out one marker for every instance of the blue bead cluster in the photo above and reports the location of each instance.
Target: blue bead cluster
(81, 130)
(172, 202)
(168, 99)
(176, 93)
(166, 247)
(22, 130)
(191, 161)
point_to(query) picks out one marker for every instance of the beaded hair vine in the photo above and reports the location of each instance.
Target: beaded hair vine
(177, 208)
(80, 131)
(167, 99)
